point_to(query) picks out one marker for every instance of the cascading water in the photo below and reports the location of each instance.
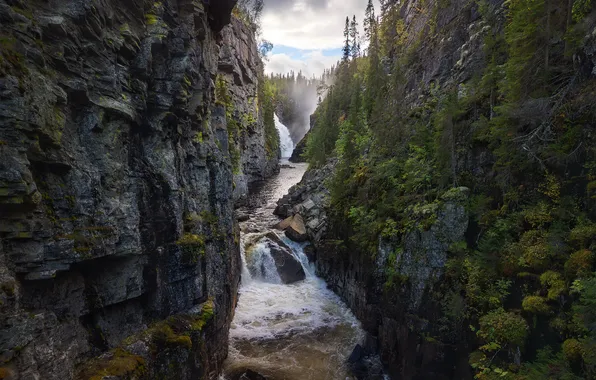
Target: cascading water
(261, 264)
(285, 140)
(294, 332)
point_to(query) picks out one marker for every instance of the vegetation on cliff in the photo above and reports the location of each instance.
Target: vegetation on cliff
(519, 135)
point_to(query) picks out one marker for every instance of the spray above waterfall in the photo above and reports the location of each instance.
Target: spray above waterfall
(285, 140)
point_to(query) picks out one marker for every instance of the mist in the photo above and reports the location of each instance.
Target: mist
(297, 99)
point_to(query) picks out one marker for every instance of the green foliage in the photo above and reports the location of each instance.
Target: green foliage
(555, 284)
(222, 95)
(581, 8)
(572, 349)
(517, 136)
(547, 365)
(535, 305)
(503, 328)
(579, 264)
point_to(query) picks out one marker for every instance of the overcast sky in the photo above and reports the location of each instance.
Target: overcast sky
(307, 35)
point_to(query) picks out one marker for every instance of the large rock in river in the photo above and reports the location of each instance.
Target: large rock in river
(297, 230)
(289, 268)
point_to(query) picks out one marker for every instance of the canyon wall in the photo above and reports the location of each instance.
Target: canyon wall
(117, 231)
(432, 240)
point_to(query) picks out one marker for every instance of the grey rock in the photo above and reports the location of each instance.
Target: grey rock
(289, 268)
(113, 157)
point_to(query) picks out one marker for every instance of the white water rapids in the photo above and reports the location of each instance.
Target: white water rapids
(285, 139)
(291, 332)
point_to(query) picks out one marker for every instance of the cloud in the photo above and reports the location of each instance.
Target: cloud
(306, 34)
(309, 24)
(311, 62)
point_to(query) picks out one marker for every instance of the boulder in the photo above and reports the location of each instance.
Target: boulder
(297, 230)
(274, 237)
(287, 265)
(289, 268)
(284, 223)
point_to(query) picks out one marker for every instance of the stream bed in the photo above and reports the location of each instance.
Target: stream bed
(282, 331)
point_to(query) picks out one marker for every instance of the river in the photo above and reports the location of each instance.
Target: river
(292, 332)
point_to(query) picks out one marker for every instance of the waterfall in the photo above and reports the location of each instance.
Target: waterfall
(261, 265)
(286, 143)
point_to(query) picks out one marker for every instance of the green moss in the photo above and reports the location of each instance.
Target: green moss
(25, 12)
(151, 19)
(536, 305)
(222, 96)
(198, 139)
(120, 363)
(8, 288)
(2, 142)
(54, 127)
(12, 60)
(207, 312)
(163, 336)
(192, 247)
(124, 28)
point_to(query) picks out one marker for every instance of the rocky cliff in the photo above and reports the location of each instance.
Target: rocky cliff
(117, 231)
(390, 292)
(240, 68)
(440, 220)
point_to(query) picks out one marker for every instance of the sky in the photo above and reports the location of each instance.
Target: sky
(307, 35)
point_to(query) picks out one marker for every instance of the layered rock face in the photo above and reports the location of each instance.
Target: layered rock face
(116, 188)
(239, 68)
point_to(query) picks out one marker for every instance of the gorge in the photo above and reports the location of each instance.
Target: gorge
(435, 219)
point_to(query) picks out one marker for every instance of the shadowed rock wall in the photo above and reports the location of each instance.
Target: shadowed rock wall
(116, 186)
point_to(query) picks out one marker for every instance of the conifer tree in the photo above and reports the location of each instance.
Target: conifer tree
(355, 36)
(369, 20)
(347, 49)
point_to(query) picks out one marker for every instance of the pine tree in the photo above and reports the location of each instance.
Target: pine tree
(354, 35)
(369, 20)
(374, 76)
(347, 49)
